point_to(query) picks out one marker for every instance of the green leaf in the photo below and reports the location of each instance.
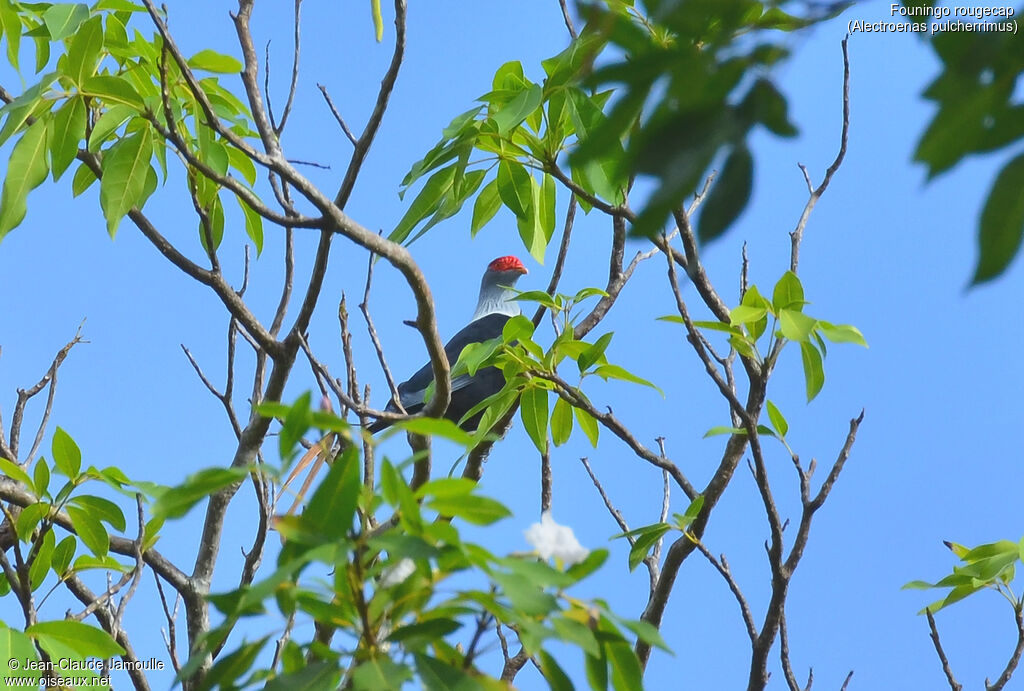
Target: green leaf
(231, 667)
(41, 563)
(533, 409)
(514, 187)
(842, 333)
(728, 196)
(212, 61)
(63, 20)
(426, 202)
(68, 132)
(29, 518)
(796, 326)
(125, 167)
(243, 164)
(107, 124)
(561, 422)
(103, 509)
(253, 225)
(546, 207)
(721, 429)
(515, 111)
(333, 505)
(318, 675)
(595, 352)
(14, 645)
(556, 677)
(607, 372)
(690, 515)
(212, 229)
(1002, 223)
(438, 676)
(113, 90)
(426, 631)
(471, 508)
(26, 170)
(434, 427)
(529, 226)
(588, 424)
(84, 177)
(41, 477)
(446, 487)
(15, 472)
(86, 562)
(62, 555)
(814, 373)
(743, 314)
(84, 52)
(538, 296)
(647, 633)
(788, 293)
(778, 421)
(90, 530)
(597, 670)
(378, 20)
(711, 325)
(177, 501)
(373, 674)
(589, 565)
(646, 538)
(66, 454)
(625, 667)
(11, 23)
(525, 594)
(487, 204)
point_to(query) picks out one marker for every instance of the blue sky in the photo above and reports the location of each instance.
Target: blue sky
(937, 457)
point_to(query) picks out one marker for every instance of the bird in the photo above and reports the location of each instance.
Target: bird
(495, 306)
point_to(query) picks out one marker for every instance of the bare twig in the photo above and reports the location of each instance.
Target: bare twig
(815, 194)
(954, 685)
(337, 115)
(86, 596)
(295, 73)
(362, 145)
(568, 19)
(1018, 650)
(25, 395)
(722, 566)
(171, 616)
(364, 307)
(513, 663)
(787, 666)
(545, 478)
(563, 250)
(650, 561)
(613, 425)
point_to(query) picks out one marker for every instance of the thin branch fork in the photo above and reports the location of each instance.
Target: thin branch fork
(651, 560)
(10, 451)
(613, 425)
(1018, 651)
(815, 193)
(722, 566)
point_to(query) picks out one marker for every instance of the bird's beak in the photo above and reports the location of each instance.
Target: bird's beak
(524, 271)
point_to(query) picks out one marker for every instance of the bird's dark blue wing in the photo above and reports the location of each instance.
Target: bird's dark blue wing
(483, 329)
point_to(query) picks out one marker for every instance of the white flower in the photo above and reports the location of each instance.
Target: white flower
(397, 573)
(550, 539)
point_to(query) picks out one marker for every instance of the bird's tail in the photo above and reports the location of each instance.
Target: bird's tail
(378, 426)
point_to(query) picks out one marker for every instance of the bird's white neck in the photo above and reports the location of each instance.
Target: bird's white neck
(494, 299)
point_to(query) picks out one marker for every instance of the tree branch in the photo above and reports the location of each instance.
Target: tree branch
(954, 685)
